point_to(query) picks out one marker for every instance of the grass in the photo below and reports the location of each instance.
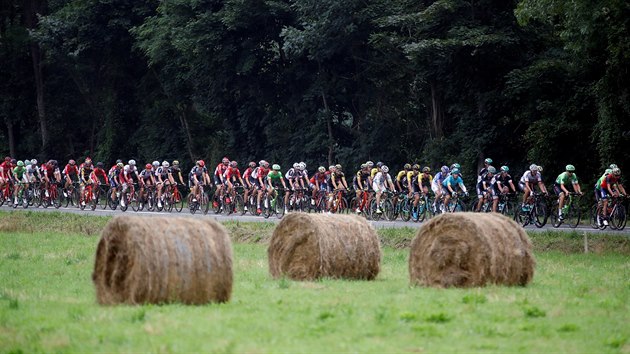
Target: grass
(577, 303)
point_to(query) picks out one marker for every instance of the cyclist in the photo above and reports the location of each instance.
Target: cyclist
(70, 173)
(198, 176)
(5, 171)
(128, 174)
(450, 183)
(231, 176)
(436, 185)
(259, 175)
(362, 182)
(99, 176)
(402, 180)
(317, 183)
(50, 174)
(85, 170)
(338, 182)
(382, 181)
(486, 163)
(176, 172)
(20, 182)
(273, 181)
(249, 186)
(561, 191)
(218, 178)
(527, 181)
(31, 171)
(609, 185)
(294, 176)
(375, 170)
(420, 184)
(147, 179)
(163, 177)
(484, 184)
(114, 181)
(501, 184)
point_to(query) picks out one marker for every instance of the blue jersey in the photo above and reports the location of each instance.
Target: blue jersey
(439, 178)
(452, 181)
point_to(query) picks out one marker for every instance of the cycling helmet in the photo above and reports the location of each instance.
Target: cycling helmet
(492, 170)
(612, 166)
(505, 169)
(13, 161)
(201, 163)
(165, 164)
(616, 171)
(426, 169)
(455, 171)
(370, 164)
(118, 161)
(533, 167)
(72, 162)
(338, 166)
(156, 163)
(540, 169)
(27, 162)
(233, 164)
(415, 166)
(99, 165)
(364, 166)
(303, 165)
(275, 167)
(132, 162)
(384, 168)
(148, 166)
(225, 160)
(7, 159)
(321, 169)
(54, 162)
(175, 163)
(608, 171)
(570, 168)
(261, 162)
(34, 162)
(296, 165)
(120, 164)
(331, 167)
(20, 163)
(265, 164)
(407, 166)
(455, 166)
(444, 169)
(488, 161)
(379, 164)
(88, 160)
(252, 164)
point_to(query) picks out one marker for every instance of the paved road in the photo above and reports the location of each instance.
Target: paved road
(250, 218)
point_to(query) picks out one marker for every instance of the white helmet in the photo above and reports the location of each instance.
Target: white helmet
(156, 163)
(384, 168)
(132, 162)
(165, 163)
(533, 167)
(296, 165)
(34, 162)
(302, 166)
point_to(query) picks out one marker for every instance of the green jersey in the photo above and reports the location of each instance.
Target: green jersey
(19, 172)
(564, 178)
(274, 176)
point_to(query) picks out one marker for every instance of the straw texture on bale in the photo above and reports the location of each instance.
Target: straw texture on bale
(311, 246)
(163, 260)
(469, 250)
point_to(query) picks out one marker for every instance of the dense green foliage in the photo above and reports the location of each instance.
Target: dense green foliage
(319, 80)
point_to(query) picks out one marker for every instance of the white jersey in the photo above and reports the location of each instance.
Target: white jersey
(381, 178)
(531, 178)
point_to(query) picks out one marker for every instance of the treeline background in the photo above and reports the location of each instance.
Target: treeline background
(323, 81)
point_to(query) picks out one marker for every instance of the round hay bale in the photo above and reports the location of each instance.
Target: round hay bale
(311, 246)
(471, 249)
(163, 260)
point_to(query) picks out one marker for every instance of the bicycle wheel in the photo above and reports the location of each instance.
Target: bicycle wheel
(373, 214)
(137, 202)
(594, 218)
(217, 204)
(618, 217)
(267, 206)
(555, 220)
(279, 207)
(94, 201)
(540, 214)
(75, 197)
(422, 210)
(57, 198)
(574, 215)
(388, 210)
(177, 201)
(406, 209)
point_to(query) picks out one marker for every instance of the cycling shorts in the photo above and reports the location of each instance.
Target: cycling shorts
(557, 189)
(217, 180)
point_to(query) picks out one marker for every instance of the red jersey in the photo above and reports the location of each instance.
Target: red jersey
(6, 168)
(220, 170)
(98, 172)
(70, 170)
(609, 180)
(232, 172)
(248, 173)
(320, 177)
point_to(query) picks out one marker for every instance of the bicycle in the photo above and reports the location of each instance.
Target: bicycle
(533, 212)
(419, 212)
(7, 192)
(339, 203)
(298, 201)
(320, 202)
(71, 195)
(362, 204)
(87, 197)
(274, 204)
(455, 204)
(129, 196)
(386, 206)
(571, 212)
(173, 199)
(402, 206)
(102, 195)
(506, 205)
(52, 195)
(616, 214)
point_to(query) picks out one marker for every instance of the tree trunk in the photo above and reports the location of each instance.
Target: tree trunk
(331, 140)
(184, 122)
(32, 9)
(437, 117)
(10, 136)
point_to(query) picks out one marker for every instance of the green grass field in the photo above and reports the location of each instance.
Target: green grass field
(577, 302)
